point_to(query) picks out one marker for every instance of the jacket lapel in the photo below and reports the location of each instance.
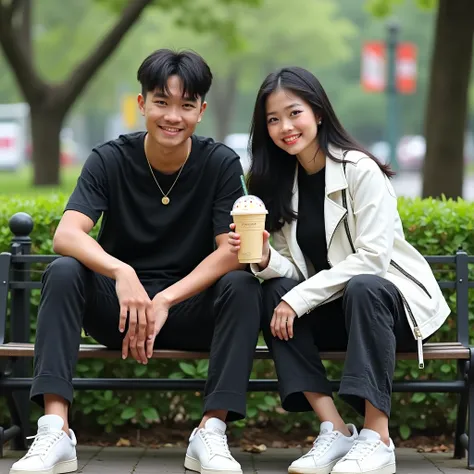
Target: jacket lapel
(289, 231)
(333, 211)
(335, 182)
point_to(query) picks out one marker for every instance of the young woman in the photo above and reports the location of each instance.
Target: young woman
(339, 274)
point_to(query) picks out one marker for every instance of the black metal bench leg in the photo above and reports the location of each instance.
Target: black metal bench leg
(6, 435)
(2, 441)
(461, 418)
(20, 418)
(459, 447)
(470, 433)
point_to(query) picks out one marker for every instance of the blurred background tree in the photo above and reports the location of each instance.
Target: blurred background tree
(242, 41)
(47, 28)
(447, 107)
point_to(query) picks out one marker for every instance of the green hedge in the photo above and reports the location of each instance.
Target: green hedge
(434, 227)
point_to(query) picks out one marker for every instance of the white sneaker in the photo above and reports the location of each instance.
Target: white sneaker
(208, 452)
(52, 451)
(368, 455)
(330, 446)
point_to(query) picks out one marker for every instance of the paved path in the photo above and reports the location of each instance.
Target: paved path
(95, 460)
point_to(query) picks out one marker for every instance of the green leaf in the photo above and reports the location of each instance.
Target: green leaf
(108, 395)
(140, 370)
(271, 401)
(150, 414)
(188, 369)
(427, 4)
(128, 413)
(415, 373)
(446, 368)
(203, 366)
(252, 412)
(379, 8)
(405, 431)
(418, 397)
(98, 365)
(176, 375)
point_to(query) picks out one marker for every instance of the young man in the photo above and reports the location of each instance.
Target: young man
(161, 273)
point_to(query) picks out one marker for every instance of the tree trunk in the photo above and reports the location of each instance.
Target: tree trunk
(49, 103)
(224, 94)
(446, 114)
(45, 129)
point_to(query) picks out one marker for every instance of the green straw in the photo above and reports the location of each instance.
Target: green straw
(242, 180)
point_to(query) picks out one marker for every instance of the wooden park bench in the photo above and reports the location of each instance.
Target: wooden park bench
(15, 355)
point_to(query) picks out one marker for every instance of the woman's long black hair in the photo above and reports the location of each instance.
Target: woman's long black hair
(272, 169)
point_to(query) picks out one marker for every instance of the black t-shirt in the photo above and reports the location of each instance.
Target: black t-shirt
(160, 242)
(311, 233)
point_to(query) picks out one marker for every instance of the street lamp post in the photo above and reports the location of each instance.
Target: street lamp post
(391, 90)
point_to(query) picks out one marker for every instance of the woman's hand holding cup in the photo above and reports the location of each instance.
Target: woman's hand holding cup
(234, 242)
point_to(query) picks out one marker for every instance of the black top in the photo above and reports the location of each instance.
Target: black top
(310, 233)
(160, 242)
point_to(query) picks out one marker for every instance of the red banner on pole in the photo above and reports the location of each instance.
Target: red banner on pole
(373, 69)
(406, 68)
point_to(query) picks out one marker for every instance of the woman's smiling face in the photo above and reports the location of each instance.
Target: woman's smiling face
(291, 122)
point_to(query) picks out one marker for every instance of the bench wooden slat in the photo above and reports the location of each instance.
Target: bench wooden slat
(431, 351)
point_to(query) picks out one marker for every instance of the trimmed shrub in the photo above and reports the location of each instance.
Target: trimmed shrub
(434, 227)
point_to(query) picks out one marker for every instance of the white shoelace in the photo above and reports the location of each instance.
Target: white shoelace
(217, 443)
(43, 441)
(361, 448)
(321, 444)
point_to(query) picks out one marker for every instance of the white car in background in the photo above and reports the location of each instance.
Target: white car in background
(12, 150)
(239, 143)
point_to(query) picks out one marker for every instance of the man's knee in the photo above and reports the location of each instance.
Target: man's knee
(239, 281)
(242, 292)
(64, 270)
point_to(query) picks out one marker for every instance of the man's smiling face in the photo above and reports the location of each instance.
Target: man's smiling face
(170, 118)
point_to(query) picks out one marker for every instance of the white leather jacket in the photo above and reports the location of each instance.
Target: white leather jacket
(367, 238)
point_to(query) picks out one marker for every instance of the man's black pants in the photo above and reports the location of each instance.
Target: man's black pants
(368, 322)
(224, 319)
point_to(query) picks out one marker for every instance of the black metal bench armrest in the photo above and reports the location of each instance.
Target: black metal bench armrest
(5, 259)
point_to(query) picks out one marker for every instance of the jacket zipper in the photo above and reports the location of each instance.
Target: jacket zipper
(412, 278)
(332, 236)
(346, 224)
(416, 329)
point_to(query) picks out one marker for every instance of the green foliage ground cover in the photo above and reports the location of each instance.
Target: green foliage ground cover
(433, 227)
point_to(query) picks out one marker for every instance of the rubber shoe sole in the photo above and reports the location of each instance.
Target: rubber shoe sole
(63, 467)
(194, 465)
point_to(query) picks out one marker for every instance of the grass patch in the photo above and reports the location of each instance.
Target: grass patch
(21, 182)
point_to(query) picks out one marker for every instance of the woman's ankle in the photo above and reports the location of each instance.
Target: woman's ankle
(342, 428)
(56, 405)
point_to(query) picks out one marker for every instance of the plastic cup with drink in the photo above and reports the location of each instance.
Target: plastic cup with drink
(249, 214)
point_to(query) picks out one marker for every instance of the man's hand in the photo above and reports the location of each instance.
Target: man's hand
(161, 309)
(134, 302)
(282, 321)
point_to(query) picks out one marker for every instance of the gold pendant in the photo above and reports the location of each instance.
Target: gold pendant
(165, 200)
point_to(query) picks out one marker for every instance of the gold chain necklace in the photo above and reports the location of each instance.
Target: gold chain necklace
(165, 200)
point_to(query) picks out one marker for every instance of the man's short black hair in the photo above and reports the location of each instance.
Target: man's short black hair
(189, 66)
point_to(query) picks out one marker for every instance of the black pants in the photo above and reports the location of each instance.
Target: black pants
(224, 319)
(368, 322)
